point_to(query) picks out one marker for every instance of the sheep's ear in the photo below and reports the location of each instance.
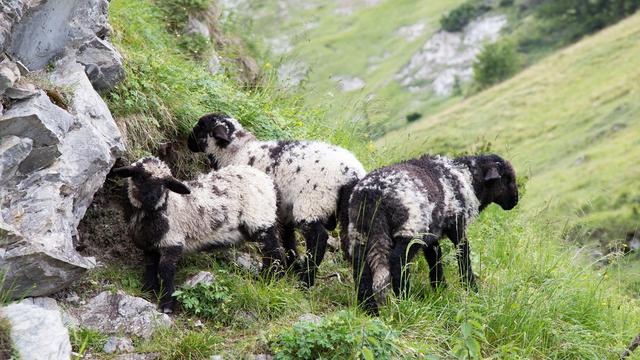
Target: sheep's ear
(125, 171)
(176, 186)
(220, 134)
(492, 173)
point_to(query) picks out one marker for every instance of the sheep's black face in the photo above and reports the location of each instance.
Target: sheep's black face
(149, 181)
(217, 127)
(499, 182)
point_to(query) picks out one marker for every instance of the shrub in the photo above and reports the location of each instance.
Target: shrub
(340, 336)
(496, 62)
(7, 350)
(458, 18)
(414, 116)
(207, 300)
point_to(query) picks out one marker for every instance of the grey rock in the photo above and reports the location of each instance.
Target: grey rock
(203, 277)
(11, 12)
(9, 75)
(247, 262)
(13, 150)
(310, 318)
(216, 357)
(349, 83)
(214, 65)
(43, 202)
(333, 243)
(23, 68)
(120, 313)
(291, 74)
(41, 121)
(37, 331)
(103, 64)
(118, 344)
(448, 57)
(21, 91)
(51, 28)
(195, 26)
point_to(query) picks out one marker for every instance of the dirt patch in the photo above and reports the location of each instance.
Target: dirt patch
(103, 231)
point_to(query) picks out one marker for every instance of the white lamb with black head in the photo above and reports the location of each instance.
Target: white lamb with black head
(425, 198)
(314, 179)
(218, 209)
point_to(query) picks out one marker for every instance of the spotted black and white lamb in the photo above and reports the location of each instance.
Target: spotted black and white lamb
(425, 199)
(218, 209)
(315, 180)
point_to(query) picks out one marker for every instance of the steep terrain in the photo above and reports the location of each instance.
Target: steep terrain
(570, 123)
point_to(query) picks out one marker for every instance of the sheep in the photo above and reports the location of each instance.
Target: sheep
(218, 209)
(315, 180)
(425, 199)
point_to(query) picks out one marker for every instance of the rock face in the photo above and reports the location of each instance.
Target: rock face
(56, 144)
(116, 313)
(39, 31)
(37, 330)
(55, 160)
(449, 56)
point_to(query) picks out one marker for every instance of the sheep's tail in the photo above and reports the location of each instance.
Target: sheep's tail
(343, 216)
(371, 239)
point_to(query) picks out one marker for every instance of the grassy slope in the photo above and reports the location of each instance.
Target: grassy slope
(342, 45)
(538, 299)
(571, 123)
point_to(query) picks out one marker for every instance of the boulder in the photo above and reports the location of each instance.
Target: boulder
(117, 313)
(103, 64)
(49, 30)
(37, 330)
(42, 202)
(21, 91)
(447, 58)
(9, 75)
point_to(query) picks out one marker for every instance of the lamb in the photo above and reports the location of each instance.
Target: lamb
(425, 199)
(315, 180)
(218, 209)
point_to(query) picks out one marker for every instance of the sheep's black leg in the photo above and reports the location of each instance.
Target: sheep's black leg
(433, 254)
(315, 235)
(272, 253)
(169, 257)
(401, 255)
(151, 260)
(459, 239)
(364, 282)
(289, 243)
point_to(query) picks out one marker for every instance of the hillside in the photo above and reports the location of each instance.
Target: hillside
(570, 123)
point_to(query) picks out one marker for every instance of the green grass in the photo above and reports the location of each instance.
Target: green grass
(539, 296)
(570, 123)
(342, 45)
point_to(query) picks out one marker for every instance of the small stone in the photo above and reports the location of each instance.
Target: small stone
(247, 262)
(22, 91)
(216, 357)
(118, 344)
(37, 331)
(310, 318)
(203, 277)
(333, 243)
(9, 75)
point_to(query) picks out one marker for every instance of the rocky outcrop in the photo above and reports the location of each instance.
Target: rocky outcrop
(37, 330)
(49, 30)
(448, 57)
(58, 142)
(118, 313)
